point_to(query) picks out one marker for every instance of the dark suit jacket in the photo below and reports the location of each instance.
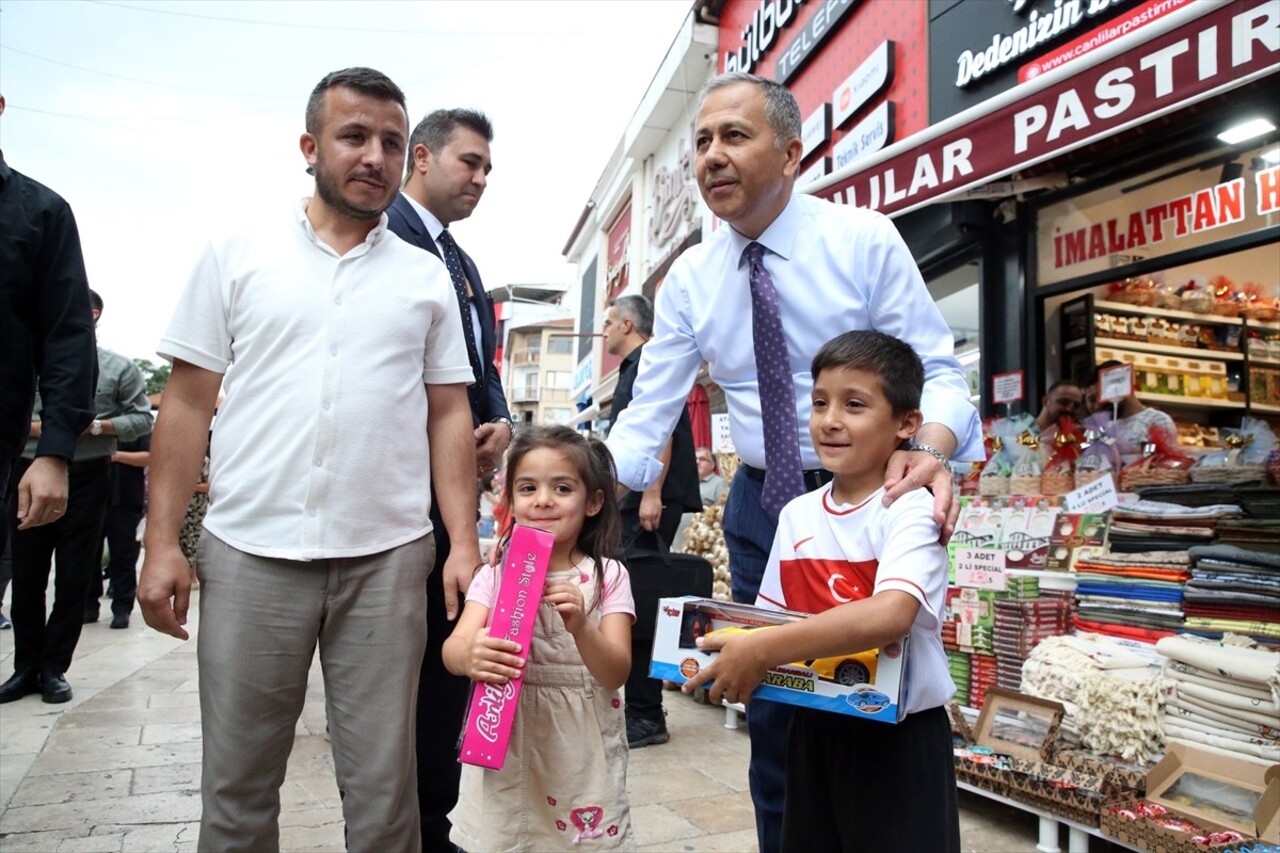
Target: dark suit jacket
(404, 221)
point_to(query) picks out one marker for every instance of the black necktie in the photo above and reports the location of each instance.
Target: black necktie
(453, 262)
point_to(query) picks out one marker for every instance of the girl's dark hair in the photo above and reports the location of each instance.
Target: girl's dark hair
(601, 532)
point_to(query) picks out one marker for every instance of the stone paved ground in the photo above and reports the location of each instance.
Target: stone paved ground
(118, 768)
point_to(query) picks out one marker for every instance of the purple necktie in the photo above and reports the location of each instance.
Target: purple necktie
(784, 478)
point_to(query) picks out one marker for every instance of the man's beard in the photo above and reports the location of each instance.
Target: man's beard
(329, 194)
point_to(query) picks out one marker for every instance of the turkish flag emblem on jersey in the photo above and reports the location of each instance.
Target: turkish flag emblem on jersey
(812, 586)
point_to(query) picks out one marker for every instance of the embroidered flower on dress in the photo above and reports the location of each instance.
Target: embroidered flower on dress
(612, 830)
(561, 825)
(616, 703)
(551, 801)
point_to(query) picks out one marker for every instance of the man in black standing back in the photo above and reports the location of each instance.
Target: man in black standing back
(446, 174)
(46, 340)
(657, 510)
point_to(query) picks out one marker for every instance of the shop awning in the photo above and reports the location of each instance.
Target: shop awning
(1198, 51)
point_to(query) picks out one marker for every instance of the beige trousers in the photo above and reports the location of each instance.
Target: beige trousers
(261, 620)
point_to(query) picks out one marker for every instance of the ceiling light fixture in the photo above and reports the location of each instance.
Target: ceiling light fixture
(1272, 155)
(1246, 130)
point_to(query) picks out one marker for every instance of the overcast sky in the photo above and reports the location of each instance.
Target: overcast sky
(162, 123)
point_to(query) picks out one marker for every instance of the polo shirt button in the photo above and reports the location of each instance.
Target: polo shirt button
(311, 512)
(319, 463)
(333, 350)
(337, 300)
(325, 405)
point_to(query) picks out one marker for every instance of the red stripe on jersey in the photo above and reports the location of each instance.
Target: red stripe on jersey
(812, 586)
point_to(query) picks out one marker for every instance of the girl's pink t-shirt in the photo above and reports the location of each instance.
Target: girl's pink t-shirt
(617, 586)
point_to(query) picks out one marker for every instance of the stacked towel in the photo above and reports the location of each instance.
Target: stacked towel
(1110, 692)
(1132, 590)
(1020, 626)
(1233, 589)
(1148, 525)
(1223, 694)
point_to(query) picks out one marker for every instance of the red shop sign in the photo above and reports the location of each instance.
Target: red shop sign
(1129, 84)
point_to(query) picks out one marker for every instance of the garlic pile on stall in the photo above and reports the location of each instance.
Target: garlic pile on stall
(705, 537)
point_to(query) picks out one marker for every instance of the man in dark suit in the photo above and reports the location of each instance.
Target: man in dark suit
(447, 171)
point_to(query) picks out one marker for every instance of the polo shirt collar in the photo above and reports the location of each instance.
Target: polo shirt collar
(779, 238)
(5, 171)
(371, 239)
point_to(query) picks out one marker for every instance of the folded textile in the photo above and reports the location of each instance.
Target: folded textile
(1242, 612)
(1220, 698)
(1143, 508)
(1201, 591)
(1156, 559)
(1258, 666)
(1236, 554)
(1267, 723)
(1214, 729)
(1268, 753)
(1125, 632)
(1226, 753)
(1133, 618)
(1138, 591)
(1268, 630)
(1175, 670)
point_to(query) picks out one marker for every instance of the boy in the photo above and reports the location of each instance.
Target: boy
(870, 573)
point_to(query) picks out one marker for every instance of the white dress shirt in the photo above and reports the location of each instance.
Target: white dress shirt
(434, 227)
(320, 448)
(835, 268)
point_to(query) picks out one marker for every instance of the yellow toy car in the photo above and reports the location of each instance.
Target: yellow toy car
(845, 670)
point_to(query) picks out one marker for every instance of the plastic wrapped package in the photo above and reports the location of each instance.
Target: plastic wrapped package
(1244, 457)
(1162, 463)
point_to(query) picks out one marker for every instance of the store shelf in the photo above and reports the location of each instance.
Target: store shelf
(1077, 840)
(1265, 362)
(1266, 408)
(1169, 313)
(1165, 349)
(1194, 402)
(1274, 325)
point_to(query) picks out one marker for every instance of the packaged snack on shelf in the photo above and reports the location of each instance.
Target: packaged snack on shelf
(1165, 294)
(1258, 304)
(1244, 459)
(1076, 537)
(1227, 298)
(1098, 456)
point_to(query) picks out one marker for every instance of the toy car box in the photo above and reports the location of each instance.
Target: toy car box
(1196, 800)
(867, 684)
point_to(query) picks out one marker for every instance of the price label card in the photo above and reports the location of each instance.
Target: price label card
(980, 568)
(1098, 496)
(1007, 387)
(1115, 383)
(721, 440)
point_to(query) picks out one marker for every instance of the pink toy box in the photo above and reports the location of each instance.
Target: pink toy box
(487, 731)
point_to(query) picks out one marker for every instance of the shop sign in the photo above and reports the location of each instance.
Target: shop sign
(1098, 496)
(802, 48)
(1096, 38)
(815, 130)
(871, 134)
(1202, 210)
(763, 30)
(672, 198)
(1224, 48)
(721, 436)
(867, 80)
(619, 252)
(818, 170)
(1040, 28)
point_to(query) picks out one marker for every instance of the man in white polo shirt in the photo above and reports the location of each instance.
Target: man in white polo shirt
(340, 350)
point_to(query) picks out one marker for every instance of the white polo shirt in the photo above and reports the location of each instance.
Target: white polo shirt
(827, 554)
(320, 448)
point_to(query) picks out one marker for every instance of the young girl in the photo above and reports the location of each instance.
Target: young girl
(563, 786)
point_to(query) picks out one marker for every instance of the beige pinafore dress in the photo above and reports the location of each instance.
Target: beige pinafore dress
(564, 783)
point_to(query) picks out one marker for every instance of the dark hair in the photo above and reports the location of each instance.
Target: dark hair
(781, 109)
(95, 301)
(436, 130)
(366, 81)
(895, 364)
(1062, 383)
(638, 309)
(601, 532)
(1097, 371)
